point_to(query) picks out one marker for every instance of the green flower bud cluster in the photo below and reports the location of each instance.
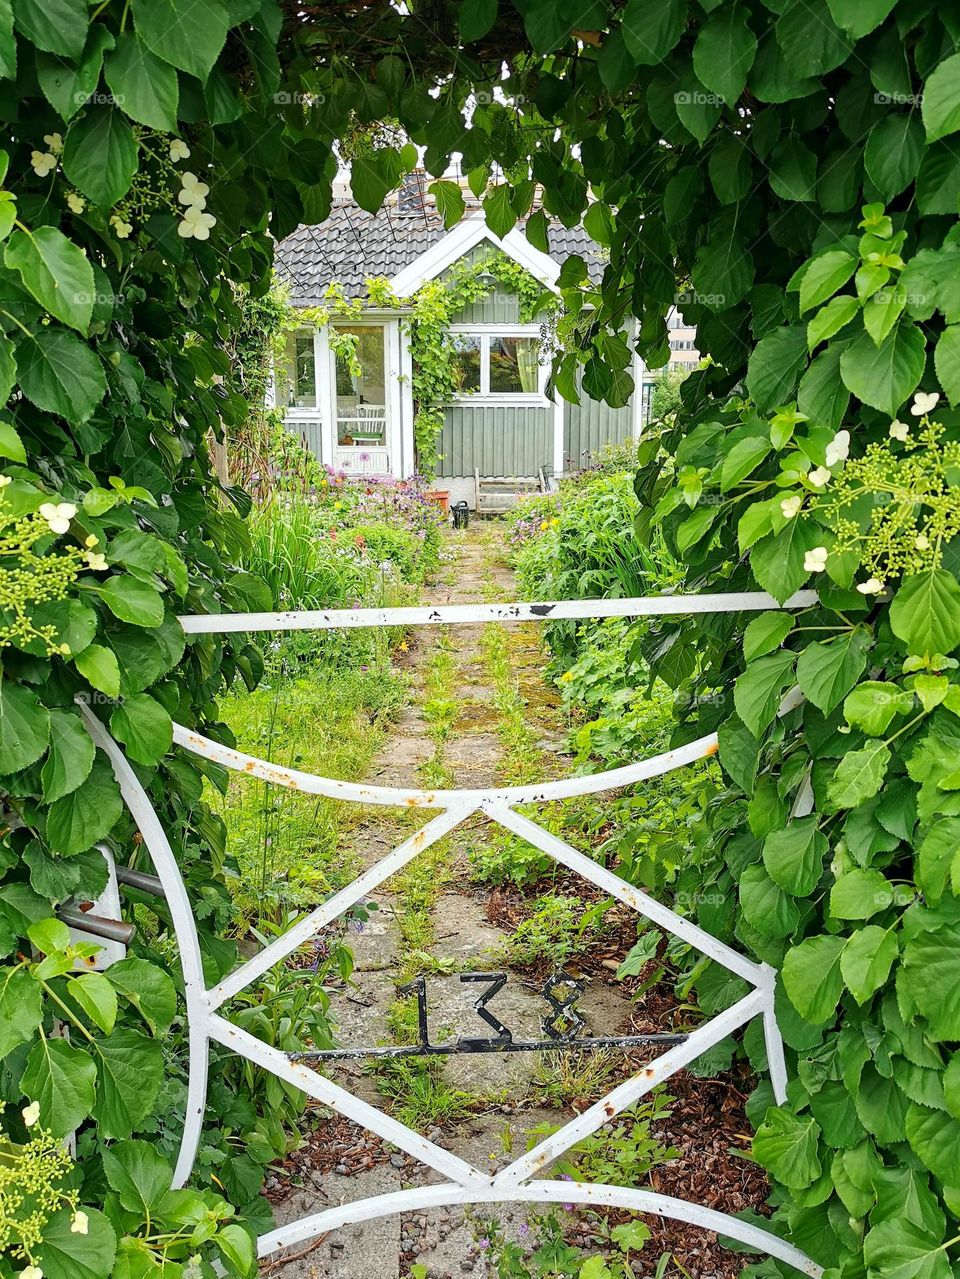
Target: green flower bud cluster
(31, 1191)
(28, 579)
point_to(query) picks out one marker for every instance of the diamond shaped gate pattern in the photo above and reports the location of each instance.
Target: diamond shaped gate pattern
(464, 1184)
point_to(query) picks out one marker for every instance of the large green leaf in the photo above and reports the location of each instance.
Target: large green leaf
(826, 672)
(188, 36)
(932, 962)
(759, 690)
(86, 814)
(794, 856)
(724, 51)
(651, 30)
(61, 374)
(71, 756)
(893, 152)
(765, 633)
(810, 40)
(21, 1010)
(859, 17)
(935, 857)
(139, 1175)
(67, 85)
(777, 560)
(476, 18)
(100, 155)
(765, 906)
(745, 456)
(885, 376)
(144, 727)
(786, 1145)
(132, 600)
(822, 396)
(925, 612)
(934, 1137)
(145, 84)
(941, 99)
(859, 775)
(898, 1249)
(947, 362)
(872, 706)
(775, 365)
(826, 273)
(99, 666)
(56, 271)
(66, 1253)
(866, 960)
(56, 26)
(148, 988)
(98, 999)
(858, 894)
(811, 977)
(129, 1072)
(24, 727)
(792, 170)
(62, 1080)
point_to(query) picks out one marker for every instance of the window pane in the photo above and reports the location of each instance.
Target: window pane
(514, 367)
(361, 385)
(296, 381)
(467, 368)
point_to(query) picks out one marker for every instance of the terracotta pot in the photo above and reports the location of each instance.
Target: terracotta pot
(441, 497)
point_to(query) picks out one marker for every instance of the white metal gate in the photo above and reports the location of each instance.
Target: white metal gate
(465, 1184)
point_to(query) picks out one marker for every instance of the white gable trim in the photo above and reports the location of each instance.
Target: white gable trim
(460, 240)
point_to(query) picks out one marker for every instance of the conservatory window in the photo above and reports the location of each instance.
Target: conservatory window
(297, 385)
(493, 364)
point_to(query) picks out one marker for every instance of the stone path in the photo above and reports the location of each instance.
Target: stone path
(450, 734)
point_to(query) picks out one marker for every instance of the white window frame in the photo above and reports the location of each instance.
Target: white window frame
(485, 396)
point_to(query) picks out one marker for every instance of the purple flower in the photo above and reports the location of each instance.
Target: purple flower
(484, 1244)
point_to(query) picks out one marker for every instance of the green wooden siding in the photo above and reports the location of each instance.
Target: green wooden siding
(507, 439)
(589, 425)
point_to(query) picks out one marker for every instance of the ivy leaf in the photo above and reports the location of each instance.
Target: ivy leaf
(56, 272)
(138, 1174)
(859, 776)
(941, 99)
(144, 727)
(56, 26)
(873, 705)
(932, 961)
(794, 856)
(759, 690)
(450, 202)
(86, 814)
(130, 1072)
(476, 19)
(62, 1080)
(651, 30)
(826, 672)
(145, 84)
(885, 376)
(60, 374)
(786, 1145)
(188, 36)
(24, 727)
(100, 155)
(866, 960)
(859, 894)
(811, 977)
(825, 274)
(69, 1255)
(925, 612)
(774, 367)
(765, 633)
(21, 1009)
(148, 988)
(71, 756)
(724, 52)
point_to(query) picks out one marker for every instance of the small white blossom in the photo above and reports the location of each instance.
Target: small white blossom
(196, 223)
(31, 1113)
(96, 561)
(5, 480)
(838, 450)
(924, 402)
(815, 561)
(216, 379)
(121, 229)
(194, 192)
(922, 542)
(31, 1272)
(899, 430)
(91, 541)
(58, 515)
(871, 587)
(80, 1223)
(819, 476)
(790, 506)
(43, 163)
(76, 203)
(54, 142)
(179, 150)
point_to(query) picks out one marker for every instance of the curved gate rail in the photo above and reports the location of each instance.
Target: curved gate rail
(465, 1184)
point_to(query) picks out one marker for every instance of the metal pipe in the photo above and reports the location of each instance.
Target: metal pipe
(96, 925)
(140, 879)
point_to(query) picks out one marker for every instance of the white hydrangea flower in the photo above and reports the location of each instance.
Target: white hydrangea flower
(179, 150)
(58, 515)
(922, 542)
(790, 506)
(122, 230)
(54, 141)
(80, 1223)
(5, 480)
(924, 402)
(91, 541)
(216, 379)
(815, 561)
(819, 476)
(31, 1272)
(871, 587)
(196, 224)
(96, 561)
(193, 192)
(899, 430)
(31, 1113)
(43, 163)
(75, 203)
(838, 450)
